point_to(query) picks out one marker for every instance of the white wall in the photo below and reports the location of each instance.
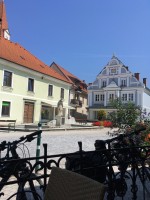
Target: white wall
(146, 102)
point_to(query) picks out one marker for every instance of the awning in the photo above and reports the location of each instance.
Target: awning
(46, 104)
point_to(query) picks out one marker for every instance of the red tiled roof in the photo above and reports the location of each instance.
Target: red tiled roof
(71, 77)
(15, 53)
(4, 24)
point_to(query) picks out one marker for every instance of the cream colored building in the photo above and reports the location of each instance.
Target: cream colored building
(29, 89)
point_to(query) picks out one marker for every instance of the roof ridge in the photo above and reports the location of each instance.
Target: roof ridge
(62, 71)
(14, 52)
(70, 73)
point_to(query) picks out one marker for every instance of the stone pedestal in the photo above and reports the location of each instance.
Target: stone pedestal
(58, 121)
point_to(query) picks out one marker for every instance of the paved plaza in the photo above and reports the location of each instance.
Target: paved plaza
(58, 142)
(62, 142)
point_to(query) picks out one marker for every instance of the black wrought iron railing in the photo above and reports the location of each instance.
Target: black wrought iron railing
(125, 170)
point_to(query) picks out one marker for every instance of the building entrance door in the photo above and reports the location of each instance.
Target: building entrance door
(28, 112)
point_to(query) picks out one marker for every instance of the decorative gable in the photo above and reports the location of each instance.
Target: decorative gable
(112, 85)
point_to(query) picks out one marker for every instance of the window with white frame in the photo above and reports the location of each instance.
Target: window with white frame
(113, 71)
(130, 97)
(7, 81)
(97, 97)
(123, 82)
(5, 109)
(124, 97)
(104, 83)
(62, 93)
(111, 96)
(102, 97)
(31, 85)
(50, 90)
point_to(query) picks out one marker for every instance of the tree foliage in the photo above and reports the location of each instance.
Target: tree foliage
(101, 115)
(124, 113)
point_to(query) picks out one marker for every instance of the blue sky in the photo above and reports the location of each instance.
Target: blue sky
(82, 35)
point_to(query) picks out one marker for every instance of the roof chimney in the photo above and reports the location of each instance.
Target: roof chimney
(137, 76)
(144, 81)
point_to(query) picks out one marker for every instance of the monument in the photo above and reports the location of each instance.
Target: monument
(60, 113)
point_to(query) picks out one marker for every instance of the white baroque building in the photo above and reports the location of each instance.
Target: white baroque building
(117, 81)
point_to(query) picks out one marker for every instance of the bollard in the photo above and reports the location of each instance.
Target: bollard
(38, 146)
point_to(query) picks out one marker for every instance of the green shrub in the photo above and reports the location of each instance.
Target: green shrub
(101, 115)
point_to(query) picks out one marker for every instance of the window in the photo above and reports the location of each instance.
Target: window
(103, 83)
(31, 84)
(62, 93)
(111, 96)
(6, 108)
(97, 97)
(45, 113)
(123, 82)
(50, 90)
(7, 79)
(113, 71)
(124, 97)
(102, 97)
(130, 97)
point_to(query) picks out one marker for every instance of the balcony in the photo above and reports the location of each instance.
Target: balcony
(76, 103)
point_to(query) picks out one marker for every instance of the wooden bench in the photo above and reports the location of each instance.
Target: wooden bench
(9, 123)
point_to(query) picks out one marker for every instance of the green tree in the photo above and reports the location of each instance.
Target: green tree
(101, 115)
(124, 114)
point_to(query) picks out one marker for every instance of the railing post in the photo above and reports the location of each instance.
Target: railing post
(111, 192)
(81, 156)
(134, 187)
(143, 179)
(45, 165)
(38, 146)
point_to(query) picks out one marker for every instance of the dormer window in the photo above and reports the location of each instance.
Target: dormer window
(123, 82)
(104, 83)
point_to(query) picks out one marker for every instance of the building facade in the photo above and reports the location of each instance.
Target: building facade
(77, 93)
(29, 89)
(117, 81)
